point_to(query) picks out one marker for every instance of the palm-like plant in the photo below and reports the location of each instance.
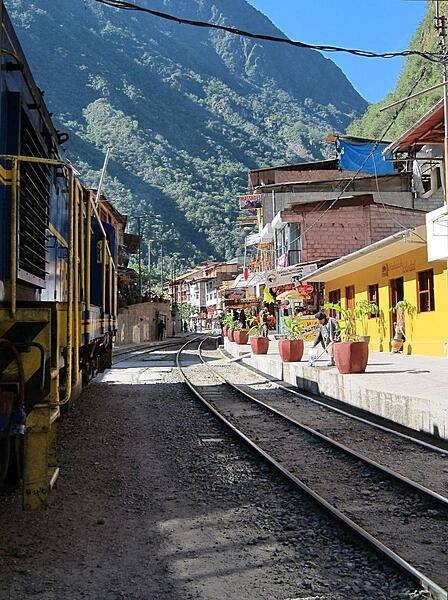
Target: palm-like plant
(363, 311)
(294, 326)
(346, 322)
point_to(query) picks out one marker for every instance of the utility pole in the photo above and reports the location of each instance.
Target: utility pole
(149, 268)
(139, 229)
(161, 267)
(440, 25)
(103, 175)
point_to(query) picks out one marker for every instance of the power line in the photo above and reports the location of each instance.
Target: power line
(352, 179)
(124, 5)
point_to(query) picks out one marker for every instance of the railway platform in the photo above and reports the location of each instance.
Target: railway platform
(408, 390)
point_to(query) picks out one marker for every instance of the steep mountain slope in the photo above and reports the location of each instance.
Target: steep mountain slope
(187, 111)
(373, 123)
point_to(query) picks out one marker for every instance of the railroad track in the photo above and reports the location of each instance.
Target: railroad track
(144, 349)
(399, 518)
(440, 447)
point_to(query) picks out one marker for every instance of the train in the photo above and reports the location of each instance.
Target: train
(58, 280)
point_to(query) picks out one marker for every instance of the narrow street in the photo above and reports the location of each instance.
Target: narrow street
(158, 501)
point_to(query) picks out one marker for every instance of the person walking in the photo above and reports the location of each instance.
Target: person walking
(327, 334)
(160, 329)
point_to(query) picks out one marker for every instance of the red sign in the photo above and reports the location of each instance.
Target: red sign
(305, 289)
(246, 273)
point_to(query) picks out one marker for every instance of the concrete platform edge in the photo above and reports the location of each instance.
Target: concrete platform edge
(424, 414)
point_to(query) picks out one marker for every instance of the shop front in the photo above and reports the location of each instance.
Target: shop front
(410, 292)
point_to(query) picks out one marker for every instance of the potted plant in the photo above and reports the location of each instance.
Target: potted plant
(350, 354)
(401, 309)
(291, 348)
(226, 320)
(231, 326)
(258, 342)
(364, 310)
(241, 334)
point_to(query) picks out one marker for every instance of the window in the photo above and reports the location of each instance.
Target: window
(350, 297)
(426, 291)
(373, 296)
(334, 297)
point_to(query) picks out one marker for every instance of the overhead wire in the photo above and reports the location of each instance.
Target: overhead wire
(431, 56)
(124, 5)
(352, 179)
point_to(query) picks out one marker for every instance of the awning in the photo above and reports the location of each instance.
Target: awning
(390, 247)
(253, 280)
(429, 129)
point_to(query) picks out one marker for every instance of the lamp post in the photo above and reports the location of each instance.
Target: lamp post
(149, 268)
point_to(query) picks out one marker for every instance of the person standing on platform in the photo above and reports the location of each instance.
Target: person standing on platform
(327, 334)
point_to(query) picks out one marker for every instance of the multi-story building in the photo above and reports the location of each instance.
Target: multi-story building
(200, 287)
(315, 211)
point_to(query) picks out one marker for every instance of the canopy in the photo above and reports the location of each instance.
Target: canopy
(289, 295)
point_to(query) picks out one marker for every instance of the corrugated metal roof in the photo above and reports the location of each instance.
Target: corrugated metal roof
(429, 129)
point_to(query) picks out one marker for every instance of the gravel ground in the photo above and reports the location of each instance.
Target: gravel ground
(157, 501)
(427, 467)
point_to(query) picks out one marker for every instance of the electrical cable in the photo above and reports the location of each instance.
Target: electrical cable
(124, 5)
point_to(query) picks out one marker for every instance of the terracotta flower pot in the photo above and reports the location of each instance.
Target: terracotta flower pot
(259, 345)
(291, 350)
(224, 330)
(351, 357)
(396, 345)
(241, 336)
(230, 333)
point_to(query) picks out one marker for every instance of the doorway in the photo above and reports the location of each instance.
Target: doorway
(396, 294)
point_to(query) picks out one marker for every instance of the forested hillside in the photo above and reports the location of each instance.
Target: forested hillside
(374, 123)
(187, 111)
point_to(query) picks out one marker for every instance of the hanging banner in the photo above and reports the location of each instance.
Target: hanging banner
(251, 201)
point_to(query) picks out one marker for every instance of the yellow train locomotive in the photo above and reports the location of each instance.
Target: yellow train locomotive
(58, 280)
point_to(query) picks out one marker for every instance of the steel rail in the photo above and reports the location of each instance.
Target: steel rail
(145, 350)
(331, 442)
(437, 592)
(305, 396)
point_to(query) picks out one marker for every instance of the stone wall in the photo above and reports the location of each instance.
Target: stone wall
(138, 323)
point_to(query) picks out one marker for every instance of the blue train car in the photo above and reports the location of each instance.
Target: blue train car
(58, 286)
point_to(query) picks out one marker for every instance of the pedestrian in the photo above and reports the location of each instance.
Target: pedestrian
(160, 329)
(327, 334)
(243, 319)
(264, 315)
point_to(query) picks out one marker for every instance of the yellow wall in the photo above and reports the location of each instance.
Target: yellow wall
(426, 333)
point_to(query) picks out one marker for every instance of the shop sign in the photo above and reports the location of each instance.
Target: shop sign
(306, 289)
(296, 273)
(251, 201)
(397, 267)
(310, 327)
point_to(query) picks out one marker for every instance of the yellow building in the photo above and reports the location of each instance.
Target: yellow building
(385, 272)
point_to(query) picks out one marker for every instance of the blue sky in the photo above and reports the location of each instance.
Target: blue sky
(378, 25)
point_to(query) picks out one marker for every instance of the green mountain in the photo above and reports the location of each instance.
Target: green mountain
(187, 111)
(416, 69)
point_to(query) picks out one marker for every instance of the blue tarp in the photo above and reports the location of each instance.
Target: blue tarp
(354, 155)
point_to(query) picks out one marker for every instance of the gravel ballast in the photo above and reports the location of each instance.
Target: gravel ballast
(158, 501)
